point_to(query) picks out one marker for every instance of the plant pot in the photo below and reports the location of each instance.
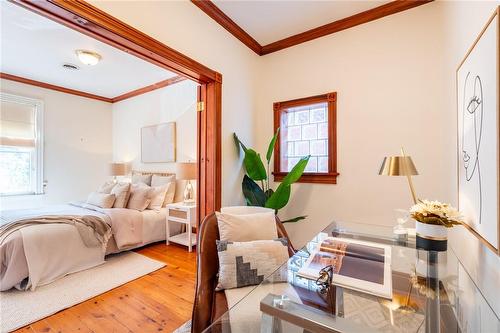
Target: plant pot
(431, 237)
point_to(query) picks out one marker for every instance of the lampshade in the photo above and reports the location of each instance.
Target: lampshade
(398, 166)
(118, 169)
(186, 171)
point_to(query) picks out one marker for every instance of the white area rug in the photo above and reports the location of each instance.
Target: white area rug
(20, 308)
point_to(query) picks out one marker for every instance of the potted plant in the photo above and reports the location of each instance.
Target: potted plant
(256, 173)
(433, 219)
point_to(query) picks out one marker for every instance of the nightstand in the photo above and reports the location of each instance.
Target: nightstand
(185, 214)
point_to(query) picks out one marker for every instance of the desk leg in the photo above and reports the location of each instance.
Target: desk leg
(432, 310)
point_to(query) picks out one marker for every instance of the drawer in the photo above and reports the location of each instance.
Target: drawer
(181, 214)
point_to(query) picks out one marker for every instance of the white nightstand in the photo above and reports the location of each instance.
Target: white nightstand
(185, 214)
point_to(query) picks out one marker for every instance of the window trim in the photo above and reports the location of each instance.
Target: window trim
(38, 105)
(311, 177)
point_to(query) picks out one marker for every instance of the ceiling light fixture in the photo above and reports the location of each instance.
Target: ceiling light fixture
(88, 57)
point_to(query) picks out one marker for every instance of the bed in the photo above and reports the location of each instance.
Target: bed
(39, 254)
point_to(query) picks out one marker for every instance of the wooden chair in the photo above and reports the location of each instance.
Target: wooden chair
(209, 305)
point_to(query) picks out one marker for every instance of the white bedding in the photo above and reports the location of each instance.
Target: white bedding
(44, 253)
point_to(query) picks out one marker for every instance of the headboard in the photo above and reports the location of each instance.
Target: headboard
(179, 184)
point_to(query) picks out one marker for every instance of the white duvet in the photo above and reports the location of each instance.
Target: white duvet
(44, 253)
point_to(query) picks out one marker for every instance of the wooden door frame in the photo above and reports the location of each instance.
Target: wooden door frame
(91, 21)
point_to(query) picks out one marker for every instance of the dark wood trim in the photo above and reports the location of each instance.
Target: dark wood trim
(154, 86)
(316, 178)
(346, 23)
(83, 17)
(227, 23)
(54, 87)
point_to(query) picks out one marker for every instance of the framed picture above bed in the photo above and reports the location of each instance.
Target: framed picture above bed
(478, 134)
(158, 143)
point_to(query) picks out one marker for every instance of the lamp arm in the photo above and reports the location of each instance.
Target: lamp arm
(408, 177)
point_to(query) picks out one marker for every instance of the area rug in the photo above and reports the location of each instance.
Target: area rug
(185, 328)
(20, 308)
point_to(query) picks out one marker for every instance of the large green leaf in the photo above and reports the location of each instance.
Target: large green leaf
(296, 171)
(239, 143)
(280, 197)
(254, 195)
(254, 166)
(270, 149)
(295, 219)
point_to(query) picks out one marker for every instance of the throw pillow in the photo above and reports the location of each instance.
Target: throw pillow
(122, 192)
(245, 228)
(103, 200)
(158, 196)
(140, 197)
(163, 180)
(107, 187)
(244, 264)
(138, 178)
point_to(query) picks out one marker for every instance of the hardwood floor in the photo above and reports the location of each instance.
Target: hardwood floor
(158, 302)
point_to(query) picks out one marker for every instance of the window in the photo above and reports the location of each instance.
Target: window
(21, 145)
(307, 127)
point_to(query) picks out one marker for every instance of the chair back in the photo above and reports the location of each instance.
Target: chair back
(244, 210)
(205, 305)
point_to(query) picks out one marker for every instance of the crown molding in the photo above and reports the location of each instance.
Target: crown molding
(209, 8)
(154, 86)
(54, 87)
(376, 13)
(140, 91)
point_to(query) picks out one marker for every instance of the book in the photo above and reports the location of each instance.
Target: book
(357, 265)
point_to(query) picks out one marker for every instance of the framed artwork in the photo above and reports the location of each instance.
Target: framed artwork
(158, 143)
(478, 135)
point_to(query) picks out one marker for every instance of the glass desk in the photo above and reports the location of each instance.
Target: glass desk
(422, 292)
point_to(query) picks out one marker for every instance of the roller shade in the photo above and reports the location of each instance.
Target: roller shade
(17, 124)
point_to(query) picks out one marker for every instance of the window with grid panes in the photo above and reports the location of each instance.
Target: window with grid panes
(307, 127)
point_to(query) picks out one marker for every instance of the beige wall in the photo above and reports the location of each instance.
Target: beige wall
(184, 27)
(77, 146)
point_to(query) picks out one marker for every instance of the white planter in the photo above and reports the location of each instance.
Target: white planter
(431, 231)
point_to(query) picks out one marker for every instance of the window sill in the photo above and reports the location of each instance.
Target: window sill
(313, 178)
(20, 194)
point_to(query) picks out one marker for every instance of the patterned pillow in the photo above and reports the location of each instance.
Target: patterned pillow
(244, 264)
(122, 193)
(140, 197)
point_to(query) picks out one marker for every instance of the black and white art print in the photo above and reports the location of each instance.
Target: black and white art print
(478, 135)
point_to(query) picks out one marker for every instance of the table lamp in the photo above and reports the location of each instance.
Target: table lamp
(187, 171)
(118, 169)
(400, 166)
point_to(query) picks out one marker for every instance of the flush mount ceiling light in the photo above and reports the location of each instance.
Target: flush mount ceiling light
(88, 57)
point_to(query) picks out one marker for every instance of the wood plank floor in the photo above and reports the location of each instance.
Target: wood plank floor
(158, 302)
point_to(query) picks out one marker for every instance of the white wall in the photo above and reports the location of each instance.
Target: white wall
(77, 145)
(172, 103)
(182, 26)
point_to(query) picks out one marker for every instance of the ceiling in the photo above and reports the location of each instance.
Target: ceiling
(35, 47)
(269, 21)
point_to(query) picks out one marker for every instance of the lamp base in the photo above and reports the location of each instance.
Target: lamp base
(189, 194)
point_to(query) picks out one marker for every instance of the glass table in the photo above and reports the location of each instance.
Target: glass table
(408, 290)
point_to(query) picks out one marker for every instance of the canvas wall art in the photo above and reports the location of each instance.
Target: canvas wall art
(158, 143)
(478, 135)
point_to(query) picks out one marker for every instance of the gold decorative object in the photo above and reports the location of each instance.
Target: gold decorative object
(400, 166)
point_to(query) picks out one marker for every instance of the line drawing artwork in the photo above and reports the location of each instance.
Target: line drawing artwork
(472, 118)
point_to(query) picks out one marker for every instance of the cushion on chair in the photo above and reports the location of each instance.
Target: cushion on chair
(246, 228)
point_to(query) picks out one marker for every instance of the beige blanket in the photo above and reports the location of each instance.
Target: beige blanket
(93, 230)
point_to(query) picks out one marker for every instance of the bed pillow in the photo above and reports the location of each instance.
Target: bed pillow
(103, 200)
(244, 264)
(140, 197)
(137, 178)
(158, 196)
(248, 227)
(121, 192)
(107, 187)
(163, 180)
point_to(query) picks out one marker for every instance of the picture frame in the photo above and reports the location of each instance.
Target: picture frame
(478, 133)
(158, 143)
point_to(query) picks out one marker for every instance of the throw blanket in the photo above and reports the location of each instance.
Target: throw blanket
(93, 230)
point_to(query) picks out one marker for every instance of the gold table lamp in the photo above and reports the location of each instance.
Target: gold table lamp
(400, 166)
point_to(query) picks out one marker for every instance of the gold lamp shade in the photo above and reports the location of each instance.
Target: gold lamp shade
(398, 166)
